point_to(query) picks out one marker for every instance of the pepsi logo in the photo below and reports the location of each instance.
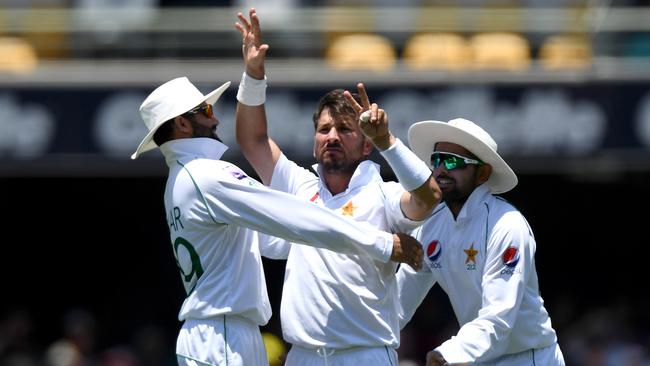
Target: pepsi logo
(433, 250)
(510, 257)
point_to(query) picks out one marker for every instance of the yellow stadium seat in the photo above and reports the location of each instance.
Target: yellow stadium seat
(49, 44)
(565, 52)
(427, 51)
(500, 51)
(17, 55)
(361, 51)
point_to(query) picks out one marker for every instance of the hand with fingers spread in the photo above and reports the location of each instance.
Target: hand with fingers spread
(375, 126)
(253, 50)
(406, 249)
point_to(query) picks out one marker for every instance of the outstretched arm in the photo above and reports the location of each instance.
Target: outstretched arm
(252, 136)
(422, 192)
(246, 203)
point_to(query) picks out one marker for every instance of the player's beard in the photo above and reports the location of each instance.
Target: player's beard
(454, 195)
(340, 166)
(343, 165)
(200, 130)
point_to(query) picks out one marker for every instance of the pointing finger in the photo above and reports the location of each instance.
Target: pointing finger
(365, 101)
(350, 99)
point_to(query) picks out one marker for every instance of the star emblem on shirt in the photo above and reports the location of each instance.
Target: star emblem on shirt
(348, 209)
(471, 254)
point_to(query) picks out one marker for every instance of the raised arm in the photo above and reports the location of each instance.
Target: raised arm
(422, 192)
(252, 136)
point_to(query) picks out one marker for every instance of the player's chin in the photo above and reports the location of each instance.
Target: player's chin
(331, 156)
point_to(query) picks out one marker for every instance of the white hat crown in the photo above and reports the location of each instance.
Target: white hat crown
(474, 130)
(170, 100)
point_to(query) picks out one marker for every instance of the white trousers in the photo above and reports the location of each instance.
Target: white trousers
(547, 356)
(221, 341)
(358, 356)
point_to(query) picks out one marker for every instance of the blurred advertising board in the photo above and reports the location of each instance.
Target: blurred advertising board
(78, 130)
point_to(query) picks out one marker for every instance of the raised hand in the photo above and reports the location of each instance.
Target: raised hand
(373, 120)
(253, 50)
(406, 249)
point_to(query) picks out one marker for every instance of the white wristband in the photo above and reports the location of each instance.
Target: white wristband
(251, 92)
(411, 172)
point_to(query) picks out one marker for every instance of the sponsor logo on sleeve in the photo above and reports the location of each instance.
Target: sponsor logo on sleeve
(510, 258)
(237, 174)
(240, 175)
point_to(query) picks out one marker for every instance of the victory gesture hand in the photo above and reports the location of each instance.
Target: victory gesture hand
(253, 49)
(373, 120)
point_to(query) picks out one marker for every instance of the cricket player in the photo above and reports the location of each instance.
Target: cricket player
(337, 308)
(481, 251)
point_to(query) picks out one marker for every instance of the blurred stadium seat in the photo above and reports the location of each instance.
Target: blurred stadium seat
(361, 51)
(45, 28)
(637, 45)
(427, 51)
(500, 51)
(17, 55)
(565, 52)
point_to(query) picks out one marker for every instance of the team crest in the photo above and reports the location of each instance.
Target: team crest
(348, 209)
(470, 261)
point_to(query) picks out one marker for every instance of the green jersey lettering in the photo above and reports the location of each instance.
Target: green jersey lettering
(190, 275)
(174, 219)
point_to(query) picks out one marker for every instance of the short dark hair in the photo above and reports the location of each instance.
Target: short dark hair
(164, 132)
(337, 104)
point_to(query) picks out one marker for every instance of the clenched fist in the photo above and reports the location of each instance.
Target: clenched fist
(406, 249)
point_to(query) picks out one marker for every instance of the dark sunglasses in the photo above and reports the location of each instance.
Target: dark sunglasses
(206, 109)
(452, 161)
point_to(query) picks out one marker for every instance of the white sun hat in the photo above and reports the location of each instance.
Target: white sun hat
(424, 135)
(170, 100)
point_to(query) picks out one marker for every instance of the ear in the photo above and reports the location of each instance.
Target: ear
(182, 127)
(367, 146)
(483, 173)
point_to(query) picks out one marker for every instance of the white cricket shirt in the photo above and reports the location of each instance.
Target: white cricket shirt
(212, 208)
(484, 261)
(338, 300)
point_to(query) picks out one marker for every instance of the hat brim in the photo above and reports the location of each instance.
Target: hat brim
(423, 137)
(147, 142)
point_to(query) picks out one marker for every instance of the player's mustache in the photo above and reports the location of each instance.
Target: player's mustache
(444, 176)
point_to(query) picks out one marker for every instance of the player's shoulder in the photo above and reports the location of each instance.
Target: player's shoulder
(214, 170)
(389, 188)
(439, 217)
(497, 205)
(505, 214)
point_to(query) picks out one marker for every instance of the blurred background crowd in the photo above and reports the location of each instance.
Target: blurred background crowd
(88, 275)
